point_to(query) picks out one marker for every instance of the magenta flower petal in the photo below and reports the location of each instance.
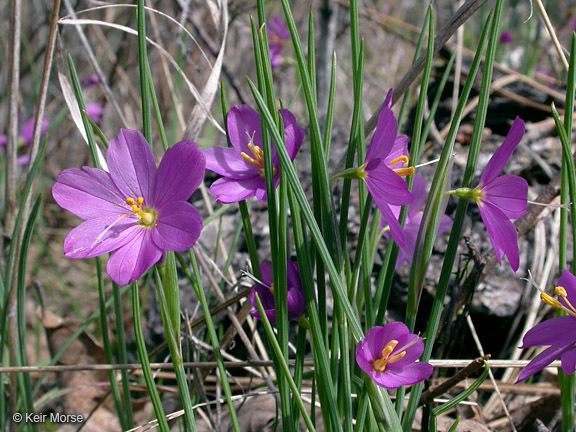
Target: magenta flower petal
(267, 300)
(131, 163)
(225, 161)
(88, 193)
(504, 152)
(132, 260)
(228, 191)
(406, 376)
(179, 226)
(569, 362)
(400, 148)
(180, 173)
(541, 361)
(27, 131)
(388, 218)
(508, 193)
(555, 331)
(568, 282)
(293, 134)
(384, 137)
(99, 236)
(244, 127)
(502, 234)
(385, 185)
(388, 355)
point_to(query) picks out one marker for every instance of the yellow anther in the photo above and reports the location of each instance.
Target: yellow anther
(551, 301)
(272, 288)
(135, 209)
(561, 291)
(130, 201)
(404, 159)
(379, 365)
(404, 172)
(139, 201)
(396, 357)
(250, 160)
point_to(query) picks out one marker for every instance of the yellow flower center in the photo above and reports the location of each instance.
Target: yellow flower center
(402, 172)
(556, 304)
(257, 158)
(147, 216)
(387, 357)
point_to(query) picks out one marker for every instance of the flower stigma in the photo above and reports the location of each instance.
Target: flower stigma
(402, 172)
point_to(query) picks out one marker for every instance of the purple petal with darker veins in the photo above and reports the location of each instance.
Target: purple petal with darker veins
(509, 193)
(229, 163)
(293, 134)
(568, 282)
(541, 361)
(88, 193)
(365, 358)
(555, 331)
(569, 362)
(502, 234)
(229, 191)
(408, 375)
(243, 124)
(133, 259)
(384, 137)
(385, 185)
(178, 227)
(180, 173)
(132, 166)
(504, 152)
(95, 237)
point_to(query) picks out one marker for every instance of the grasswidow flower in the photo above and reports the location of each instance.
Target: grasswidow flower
(265, 290)
(278, 36)
(501, 198)
(242, 166)
(388, 355)
(383, 170)
(136, 210)
(25, 138)
(559, 334)
(414, 220)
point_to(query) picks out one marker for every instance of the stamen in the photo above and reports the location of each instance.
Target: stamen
(130, 201)
(272, 288)
(379, 365)
(551, 301)
(404, 172)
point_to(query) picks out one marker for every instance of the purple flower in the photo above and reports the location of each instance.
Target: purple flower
(557, 333)
(413, 221)
(278, 35)
(242, 166)
(89, 80)
(503, 198)
(296, 304)
(382, 170)
(506, 37)
(135, 209)
(388, 355)
(95, 111)
(25, 138)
